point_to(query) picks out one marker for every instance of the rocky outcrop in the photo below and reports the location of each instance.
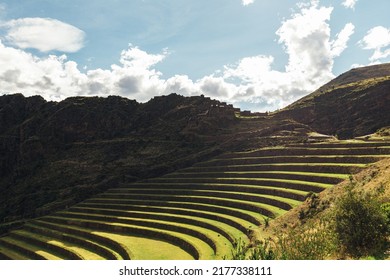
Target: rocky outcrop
(53, 154)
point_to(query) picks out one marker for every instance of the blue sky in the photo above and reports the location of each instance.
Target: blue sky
(256, 54)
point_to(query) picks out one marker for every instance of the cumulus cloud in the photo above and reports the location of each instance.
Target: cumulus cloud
(307, 41)
(139, 59)
(350, 4)
(340, 43)
(247, 2)
(377, 39)
(56, 77)
(252, 81)
(43, 34)
(250, 69)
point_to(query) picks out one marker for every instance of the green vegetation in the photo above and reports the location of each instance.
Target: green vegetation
(145, 248)
(361, 234)
(191, 178)
(361, 223)
(385, 131)
(357, 226)
(217, 209)
(296, 244)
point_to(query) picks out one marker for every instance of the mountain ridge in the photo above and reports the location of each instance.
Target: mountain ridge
(353, 104)
(55, 154)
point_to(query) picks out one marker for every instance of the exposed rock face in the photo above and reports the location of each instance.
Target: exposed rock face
(55, 154)
(16, 112)
(354, 104)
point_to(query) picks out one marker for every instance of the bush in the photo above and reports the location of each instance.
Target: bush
(264, 250)
(386, 211)
(358, 227)
(307, 244)
(239, 250)
(296, 244)
(361, 224)
(385, 131)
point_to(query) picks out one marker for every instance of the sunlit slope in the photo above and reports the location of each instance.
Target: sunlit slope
(193, 213)
(353, 104)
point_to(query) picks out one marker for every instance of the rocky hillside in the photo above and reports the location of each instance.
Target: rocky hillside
(354, 104)
(55, 154)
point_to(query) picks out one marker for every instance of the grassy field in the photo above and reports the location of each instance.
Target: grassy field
(145, 248)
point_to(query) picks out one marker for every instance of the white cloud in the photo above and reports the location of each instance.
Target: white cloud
(56, 77)
(307, 41)
(340, 44)
(138, 59)
(305, 38)
(43, 34)
(249, 69)
(350, 4)
(247, 2)
(377, 39)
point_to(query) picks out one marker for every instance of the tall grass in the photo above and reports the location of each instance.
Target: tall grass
(296, 244)
(356, 226)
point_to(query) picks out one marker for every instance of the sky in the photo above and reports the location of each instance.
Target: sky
(259, 55)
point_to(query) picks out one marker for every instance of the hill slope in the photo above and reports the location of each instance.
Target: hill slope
(61, 153)
(354, 104)
(54, 154)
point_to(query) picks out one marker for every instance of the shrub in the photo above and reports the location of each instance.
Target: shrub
(386, 211)
(264, 250)
(266, 222)
(361, 224)
(239, 250)
(385, 131)
(296, 244)
(307, 244)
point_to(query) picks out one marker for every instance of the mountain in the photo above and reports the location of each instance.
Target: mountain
(355, 103)
(56, 154)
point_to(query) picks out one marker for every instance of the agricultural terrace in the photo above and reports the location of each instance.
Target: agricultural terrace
(193, 213)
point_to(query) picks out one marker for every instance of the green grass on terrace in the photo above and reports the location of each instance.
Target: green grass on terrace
(215, 193)
(221, 243)
(291, 163)
(254, 187)
(321, 185)
(232, 231)
(330, 175)
(175, 211)
(12, 254)
(81, 252)
(27, 246)
(273, 209)
(308, 148)
(204, 250)
(238, 212)
(145, 248)
(81, 233)
(297, 156)
(138, 251)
